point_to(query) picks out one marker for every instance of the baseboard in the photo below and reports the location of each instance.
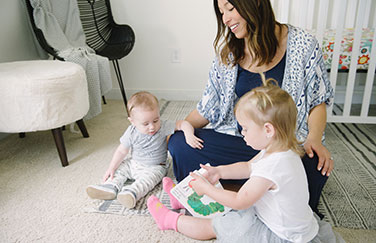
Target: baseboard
(160, 94)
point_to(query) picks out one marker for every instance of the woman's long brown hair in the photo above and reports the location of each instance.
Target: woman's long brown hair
(261, 23)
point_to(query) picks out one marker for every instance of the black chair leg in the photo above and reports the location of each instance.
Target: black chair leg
(59, 141)
(120, 80)
(82, 127)
(104, 100)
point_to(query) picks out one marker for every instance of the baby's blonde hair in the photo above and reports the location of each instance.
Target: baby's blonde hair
(271, 104)
(142, 99)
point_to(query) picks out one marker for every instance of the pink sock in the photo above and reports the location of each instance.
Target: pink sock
(168, 184)
(165, 218)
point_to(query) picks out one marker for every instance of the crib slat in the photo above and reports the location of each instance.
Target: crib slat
(367, 15)
(323, 13)
(334, 15)
(370, 78)
(274, 8)
(310, 14)
(303, 14)
(351, 14)
(273, 5)
(337, 47)
(354, 57)
(285, 11)
(277, 10)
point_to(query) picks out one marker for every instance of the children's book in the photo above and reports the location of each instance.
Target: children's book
(199, 206)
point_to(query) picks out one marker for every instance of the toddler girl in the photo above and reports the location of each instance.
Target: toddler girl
(272, 206)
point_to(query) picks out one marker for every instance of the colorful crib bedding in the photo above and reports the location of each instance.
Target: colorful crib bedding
(346, 48)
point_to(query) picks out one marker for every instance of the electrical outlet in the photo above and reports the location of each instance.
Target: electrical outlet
(176, 55)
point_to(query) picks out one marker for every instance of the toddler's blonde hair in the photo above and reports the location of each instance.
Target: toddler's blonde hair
(271, 104)
(142, 99)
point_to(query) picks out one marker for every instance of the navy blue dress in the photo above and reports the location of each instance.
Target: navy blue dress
(223, 149)
(248, 80)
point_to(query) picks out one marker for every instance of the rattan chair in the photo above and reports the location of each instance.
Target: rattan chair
(106, 37)
(42, 40)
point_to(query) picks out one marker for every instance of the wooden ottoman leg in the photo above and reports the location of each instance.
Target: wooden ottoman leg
(59, 141)
(82, 127)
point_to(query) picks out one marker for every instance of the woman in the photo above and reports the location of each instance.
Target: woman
(249, 40)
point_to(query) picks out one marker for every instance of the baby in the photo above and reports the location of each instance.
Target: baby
(145, 143)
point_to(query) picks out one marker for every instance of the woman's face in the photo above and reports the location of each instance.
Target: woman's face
(232, 19)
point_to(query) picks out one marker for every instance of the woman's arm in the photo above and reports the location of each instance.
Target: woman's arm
(189, 134)
(196, 120)
(316, 126)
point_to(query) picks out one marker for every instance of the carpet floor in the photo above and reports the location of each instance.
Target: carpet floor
(349, 197)
(40, 201)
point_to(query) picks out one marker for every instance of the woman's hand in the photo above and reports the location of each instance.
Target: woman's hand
(326, 163)
(313, 144)
(194, 141)
(189, 133)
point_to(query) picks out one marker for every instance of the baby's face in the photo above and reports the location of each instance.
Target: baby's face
(146, 121)
(253, 134)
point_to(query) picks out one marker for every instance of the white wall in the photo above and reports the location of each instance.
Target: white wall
(163, 27)
(16, 41)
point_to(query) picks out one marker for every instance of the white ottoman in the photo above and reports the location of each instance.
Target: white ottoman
(43, 95)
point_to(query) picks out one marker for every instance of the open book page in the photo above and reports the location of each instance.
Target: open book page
(199, 206)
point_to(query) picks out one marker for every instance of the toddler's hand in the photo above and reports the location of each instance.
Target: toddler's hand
(198, 183)
(194, 141)
(211, 173)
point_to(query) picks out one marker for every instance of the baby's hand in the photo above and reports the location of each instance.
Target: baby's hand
(108, 174)
(194, 141)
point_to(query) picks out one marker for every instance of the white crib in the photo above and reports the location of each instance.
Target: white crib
(355, 89)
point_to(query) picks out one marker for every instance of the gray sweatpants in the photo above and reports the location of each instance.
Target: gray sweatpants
(145, 177)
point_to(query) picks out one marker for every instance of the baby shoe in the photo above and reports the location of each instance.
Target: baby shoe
(127, 198)
(103, 191)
